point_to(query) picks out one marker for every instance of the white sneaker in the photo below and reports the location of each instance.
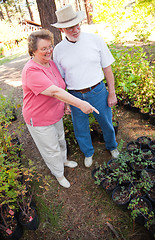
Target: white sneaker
(71, 164)
(115, 153)
(63, 182)
(88, 161)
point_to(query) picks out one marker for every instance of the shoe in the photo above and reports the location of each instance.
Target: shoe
(63, 182)
(70, 164)
(115, 153)
(88, 161)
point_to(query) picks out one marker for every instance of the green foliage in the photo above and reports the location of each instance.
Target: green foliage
(135, 18)
(138, 208)
(8, 109)
(69, 131)
(134, 77)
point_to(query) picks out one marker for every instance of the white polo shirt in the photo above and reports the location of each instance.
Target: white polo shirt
(81, 63)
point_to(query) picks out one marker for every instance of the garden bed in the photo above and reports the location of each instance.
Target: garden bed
(82, 211)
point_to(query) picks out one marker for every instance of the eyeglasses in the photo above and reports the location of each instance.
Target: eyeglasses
(47, 49)
(70, 29)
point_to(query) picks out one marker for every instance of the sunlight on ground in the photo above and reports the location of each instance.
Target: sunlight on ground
(13, 83)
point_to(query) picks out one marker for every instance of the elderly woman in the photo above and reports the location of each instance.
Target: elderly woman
(43, 104)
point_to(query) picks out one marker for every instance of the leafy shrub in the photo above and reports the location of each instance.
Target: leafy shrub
(134, 79)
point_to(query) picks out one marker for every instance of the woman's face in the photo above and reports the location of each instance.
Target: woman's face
(44, 50)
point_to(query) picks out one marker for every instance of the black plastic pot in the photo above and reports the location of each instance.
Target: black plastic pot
(33, 223)
(134, 109)
(109, 186)
(127, 106)
(150, 173)
(18, 233)
(111, 164)
(137, 192)
(145, 116)
(137, 168)
(133, 147)
(148, 155)
(122, 203)
(15, 235)
(144, 142)
(141, 218)
(152, 146)
(152, 229)
(101, 177)
(152, 119)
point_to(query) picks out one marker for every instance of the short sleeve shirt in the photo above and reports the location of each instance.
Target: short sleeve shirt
(81, 63)
(38, 109)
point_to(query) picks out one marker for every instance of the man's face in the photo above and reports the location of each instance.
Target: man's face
(72, 33)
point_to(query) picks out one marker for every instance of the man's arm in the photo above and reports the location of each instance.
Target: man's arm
(112, 99)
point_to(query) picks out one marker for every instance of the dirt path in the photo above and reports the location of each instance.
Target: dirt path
(85, 207)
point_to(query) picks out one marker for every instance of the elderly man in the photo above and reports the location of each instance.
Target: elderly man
(83, 60)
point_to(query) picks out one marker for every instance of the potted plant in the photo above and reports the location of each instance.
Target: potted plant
(148, 155)
(28, 216)
(152, 146)
(141, 209)
(8, 109)
(99, 173)
(144, 141)
(145, 111)
(9, 227)
(137, 163)
(121, 196)
(109, 183)
(148, 175)
(115, 121)
(133, 147)
(138, 188)
(151, 195)
(95, 129)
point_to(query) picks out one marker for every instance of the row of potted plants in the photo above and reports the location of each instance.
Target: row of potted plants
(130, 179)
(16, 206)
(134, 80)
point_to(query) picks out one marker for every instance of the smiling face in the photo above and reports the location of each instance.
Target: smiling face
(72, 33)
(44, 51)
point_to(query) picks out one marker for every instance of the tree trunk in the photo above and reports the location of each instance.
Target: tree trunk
(1, 14)
(30, 11)
(47, 15)
(89, 9)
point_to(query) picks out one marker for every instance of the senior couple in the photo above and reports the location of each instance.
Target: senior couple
(81, 60)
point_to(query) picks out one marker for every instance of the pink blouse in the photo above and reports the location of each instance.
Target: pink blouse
(38, 109)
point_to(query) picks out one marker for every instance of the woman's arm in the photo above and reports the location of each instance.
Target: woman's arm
(64, 96)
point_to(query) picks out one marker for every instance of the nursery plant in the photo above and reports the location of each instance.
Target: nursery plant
(134, 81)
(9, 227)
(121, 195)
(99, 173)
(8, 109)
(141, 210)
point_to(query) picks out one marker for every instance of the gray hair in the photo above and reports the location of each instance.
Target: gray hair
(35, 36)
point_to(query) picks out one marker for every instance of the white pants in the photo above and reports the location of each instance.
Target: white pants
(50, 141)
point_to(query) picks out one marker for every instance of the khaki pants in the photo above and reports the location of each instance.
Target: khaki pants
(50, 141)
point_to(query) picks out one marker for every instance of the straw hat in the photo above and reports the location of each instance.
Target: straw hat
(67, 17)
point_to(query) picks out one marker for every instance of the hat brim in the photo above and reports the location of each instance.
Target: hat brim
(80, 16)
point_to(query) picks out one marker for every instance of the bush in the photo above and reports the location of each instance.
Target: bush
(134, 79)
